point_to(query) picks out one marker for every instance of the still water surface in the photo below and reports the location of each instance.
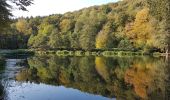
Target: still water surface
(84, 78)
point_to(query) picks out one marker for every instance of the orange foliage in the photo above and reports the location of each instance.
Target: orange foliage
(142, 30)
(141, 76)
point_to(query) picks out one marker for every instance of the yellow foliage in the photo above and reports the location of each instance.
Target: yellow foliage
(65, 25)
(22, 26)
(142, 16)
(64, 79)
(101, 40)
(23, 75)
(142, 30)
(102, 68)
(103, 36)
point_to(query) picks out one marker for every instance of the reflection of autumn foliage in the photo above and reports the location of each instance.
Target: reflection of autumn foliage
(142, 76)
(139, 80)
(23, 75)
(63, 77)
(101, 75)
(102, 68)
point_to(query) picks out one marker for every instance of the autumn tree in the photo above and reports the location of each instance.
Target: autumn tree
(160, 9)
(141, 32)
(23, 27)
(66, 25)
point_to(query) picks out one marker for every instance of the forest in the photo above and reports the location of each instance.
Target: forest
(124, 25)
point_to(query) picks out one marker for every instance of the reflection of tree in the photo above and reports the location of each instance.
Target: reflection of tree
(2, 63)
(147, 76)
(168, 80)
(99, 75)
(102, 69)
(2, 68)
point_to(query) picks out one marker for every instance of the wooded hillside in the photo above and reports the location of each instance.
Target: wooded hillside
(127, 25)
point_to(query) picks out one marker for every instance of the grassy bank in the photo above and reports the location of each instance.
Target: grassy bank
(96, 53)
(78, 52)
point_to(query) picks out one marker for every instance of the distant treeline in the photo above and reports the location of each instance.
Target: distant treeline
(126, 25)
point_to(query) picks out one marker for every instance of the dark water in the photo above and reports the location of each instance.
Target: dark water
(84, 78)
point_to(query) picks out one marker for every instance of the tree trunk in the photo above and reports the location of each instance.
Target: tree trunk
(167, 52)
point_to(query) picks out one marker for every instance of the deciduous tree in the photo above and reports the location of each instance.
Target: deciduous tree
(161, 10)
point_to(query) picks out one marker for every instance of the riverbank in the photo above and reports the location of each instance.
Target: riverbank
(97, 53)
(78, 53)
(5, 52)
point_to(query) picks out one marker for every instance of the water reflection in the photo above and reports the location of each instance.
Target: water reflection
(2, 67)
(123, 78)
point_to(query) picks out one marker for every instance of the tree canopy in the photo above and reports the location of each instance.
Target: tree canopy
(161, 10)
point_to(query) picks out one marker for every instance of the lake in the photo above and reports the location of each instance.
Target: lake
(51, 77)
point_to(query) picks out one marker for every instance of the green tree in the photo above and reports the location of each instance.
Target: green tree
(55, 40)
(41, 39)
(105, 39)
(160, 9)
(91, 25)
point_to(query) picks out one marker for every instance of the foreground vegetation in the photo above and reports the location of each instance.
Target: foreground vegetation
(127, 25)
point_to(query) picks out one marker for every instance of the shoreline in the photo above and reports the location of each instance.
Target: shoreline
(80, 53)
